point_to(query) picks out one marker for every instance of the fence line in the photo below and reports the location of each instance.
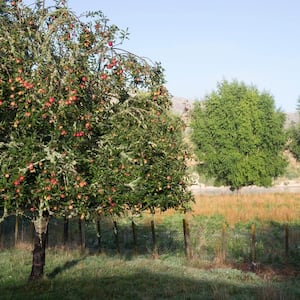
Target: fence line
(255, 243)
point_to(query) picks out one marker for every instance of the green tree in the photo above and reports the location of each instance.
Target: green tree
(69, 102)
(239, 136)
(293, 133)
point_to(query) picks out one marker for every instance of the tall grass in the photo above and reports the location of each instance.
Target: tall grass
(243, 208)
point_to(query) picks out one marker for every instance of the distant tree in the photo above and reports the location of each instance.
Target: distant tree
(293, 133)
(239, 136)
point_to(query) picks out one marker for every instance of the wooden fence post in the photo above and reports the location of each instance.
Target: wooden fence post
(1, 235)
(286, 230)
(253, 241)
(223, 243)
(66, 231)
(22, 229)
(187, 240)
(154, 241)
(32, 232)
(99, 237)
(16, 230)
(81, 234)
(133, 226)
(47, 237)
(116, 234)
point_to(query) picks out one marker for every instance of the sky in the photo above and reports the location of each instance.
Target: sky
(200, 43)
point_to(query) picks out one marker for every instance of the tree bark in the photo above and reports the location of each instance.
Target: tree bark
(39, 251)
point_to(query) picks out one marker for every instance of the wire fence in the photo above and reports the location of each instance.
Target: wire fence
(207, 240)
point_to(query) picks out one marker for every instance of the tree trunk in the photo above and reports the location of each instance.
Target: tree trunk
(39, 251)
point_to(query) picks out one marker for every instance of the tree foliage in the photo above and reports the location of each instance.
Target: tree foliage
(84, 124)
(70, 105)
(144, 167)
(293, 133)
(239, 136)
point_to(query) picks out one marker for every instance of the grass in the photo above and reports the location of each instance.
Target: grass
(71, 275)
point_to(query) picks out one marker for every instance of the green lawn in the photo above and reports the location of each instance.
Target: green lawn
(70, 275)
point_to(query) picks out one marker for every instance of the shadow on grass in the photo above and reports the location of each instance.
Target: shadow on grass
(144, 284)
(66, 266)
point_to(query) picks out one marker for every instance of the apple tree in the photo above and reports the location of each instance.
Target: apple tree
(144, 167)
(239, 136)
(71, 113)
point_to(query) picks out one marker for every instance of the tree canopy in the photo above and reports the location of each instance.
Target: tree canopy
(293, 132)
(239, 136)
(84, 124)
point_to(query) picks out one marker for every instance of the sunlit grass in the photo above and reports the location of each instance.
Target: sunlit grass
(235, 208)
(244, 208)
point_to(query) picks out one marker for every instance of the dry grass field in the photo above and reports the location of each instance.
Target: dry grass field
(281, 207)
(261, 207)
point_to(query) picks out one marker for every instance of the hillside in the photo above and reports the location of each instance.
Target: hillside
(180, 103)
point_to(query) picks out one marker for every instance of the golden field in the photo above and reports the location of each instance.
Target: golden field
(235, 208)
(277, 207)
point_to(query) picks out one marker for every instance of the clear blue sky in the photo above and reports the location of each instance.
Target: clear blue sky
(201, 42)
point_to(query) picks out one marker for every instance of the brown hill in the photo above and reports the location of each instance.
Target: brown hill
(180, 104)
